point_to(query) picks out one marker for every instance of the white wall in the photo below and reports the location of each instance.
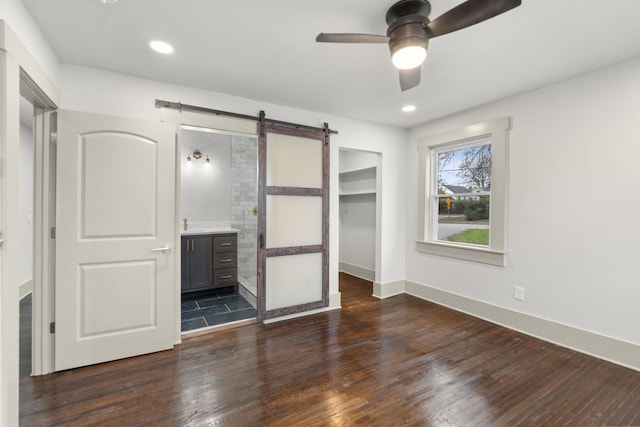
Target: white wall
(92, 90)
(572, 205)
(26, 204)
(358, 231)
(205, 187)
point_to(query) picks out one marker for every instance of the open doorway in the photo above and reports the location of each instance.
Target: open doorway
(359, 173)
(218, 228)
(26, 249)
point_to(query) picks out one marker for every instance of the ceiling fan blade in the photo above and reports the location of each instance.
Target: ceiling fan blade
(409, 78)
(351, 38)
(469, 13)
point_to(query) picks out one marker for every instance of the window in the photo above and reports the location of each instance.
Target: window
(462, 193)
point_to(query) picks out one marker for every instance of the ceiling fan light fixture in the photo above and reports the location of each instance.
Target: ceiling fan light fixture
(408, 57)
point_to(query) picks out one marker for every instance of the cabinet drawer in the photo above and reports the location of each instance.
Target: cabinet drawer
(225, 260)
(226, 243)
(225, 276)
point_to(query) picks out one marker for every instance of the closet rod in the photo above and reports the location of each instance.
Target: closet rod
(180, 106)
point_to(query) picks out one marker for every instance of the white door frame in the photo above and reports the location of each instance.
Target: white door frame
(19, 74)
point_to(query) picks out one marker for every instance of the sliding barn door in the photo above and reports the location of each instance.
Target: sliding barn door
(293, 255)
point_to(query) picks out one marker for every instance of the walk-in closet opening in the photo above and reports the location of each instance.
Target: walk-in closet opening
(359, 173)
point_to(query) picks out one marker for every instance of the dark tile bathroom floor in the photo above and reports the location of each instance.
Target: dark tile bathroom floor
(215, 307)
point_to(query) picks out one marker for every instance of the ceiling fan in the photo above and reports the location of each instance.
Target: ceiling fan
(410, 29)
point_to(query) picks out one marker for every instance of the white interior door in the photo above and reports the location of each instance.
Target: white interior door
(115, 226)
(293, 227)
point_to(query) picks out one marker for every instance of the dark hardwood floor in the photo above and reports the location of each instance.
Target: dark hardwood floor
(25, 335)
(401, 361)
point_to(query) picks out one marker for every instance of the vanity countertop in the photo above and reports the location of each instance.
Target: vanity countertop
(217, 230)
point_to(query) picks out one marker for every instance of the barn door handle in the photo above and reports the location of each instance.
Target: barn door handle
(166, 248)
(261, 241)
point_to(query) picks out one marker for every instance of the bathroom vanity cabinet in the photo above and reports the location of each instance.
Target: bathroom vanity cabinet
(208, 261)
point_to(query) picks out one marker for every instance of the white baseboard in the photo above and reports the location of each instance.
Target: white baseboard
(334, 304)
(357, 271)
(593, 344)
(26, 288)
(389, 289)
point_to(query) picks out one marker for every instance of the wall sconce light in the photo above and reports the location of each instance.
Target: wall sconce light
(197, 155)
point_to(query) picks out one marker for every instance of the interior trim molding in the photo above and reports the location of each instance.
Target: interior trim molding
(21, 73)
(26, 288)
(603, 347)
(357, 271)
(389, 289)
(37, 85)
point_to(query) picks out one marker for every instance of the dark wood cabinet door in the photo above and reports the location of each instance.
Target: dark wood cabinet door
(185, 264)
(201, 262)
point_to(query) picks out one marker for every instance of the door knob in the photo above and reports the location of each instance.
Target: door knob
(166, 248)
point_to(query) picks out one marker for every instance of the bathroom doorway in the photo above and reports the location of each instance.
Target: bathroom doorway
(218, 227)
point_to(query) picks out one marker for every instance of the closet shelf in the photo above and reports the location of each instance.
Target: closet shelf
(358, 182)
(360, 171)
(357, 193)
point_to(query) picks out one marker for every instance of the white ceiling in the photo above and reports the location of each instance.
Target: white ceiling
(266, 50)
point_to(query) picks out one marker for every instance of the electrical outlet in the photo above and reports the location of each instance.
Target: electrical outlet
(518, 293)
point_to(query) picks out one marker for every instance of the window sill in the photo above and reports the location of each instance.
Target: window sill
(467, 253)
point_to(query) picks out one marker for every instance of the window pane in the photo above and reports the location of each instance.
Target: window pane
(464, 219)
(464, 170)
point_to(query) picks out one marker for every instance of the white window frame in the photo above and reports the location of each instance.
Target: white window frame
(495, 132)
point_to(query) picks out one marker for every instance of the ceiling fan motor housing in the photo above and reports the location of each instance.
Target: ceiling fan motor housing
(407, 20)
(407, 7)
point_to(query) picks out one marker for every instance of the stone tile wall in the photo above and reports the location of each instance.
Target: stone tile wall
(244, 197)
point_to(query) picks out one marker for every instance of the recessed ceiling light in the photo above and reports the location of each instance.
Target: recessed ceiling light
(108, 1)
(409, 108)
(161, 47)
